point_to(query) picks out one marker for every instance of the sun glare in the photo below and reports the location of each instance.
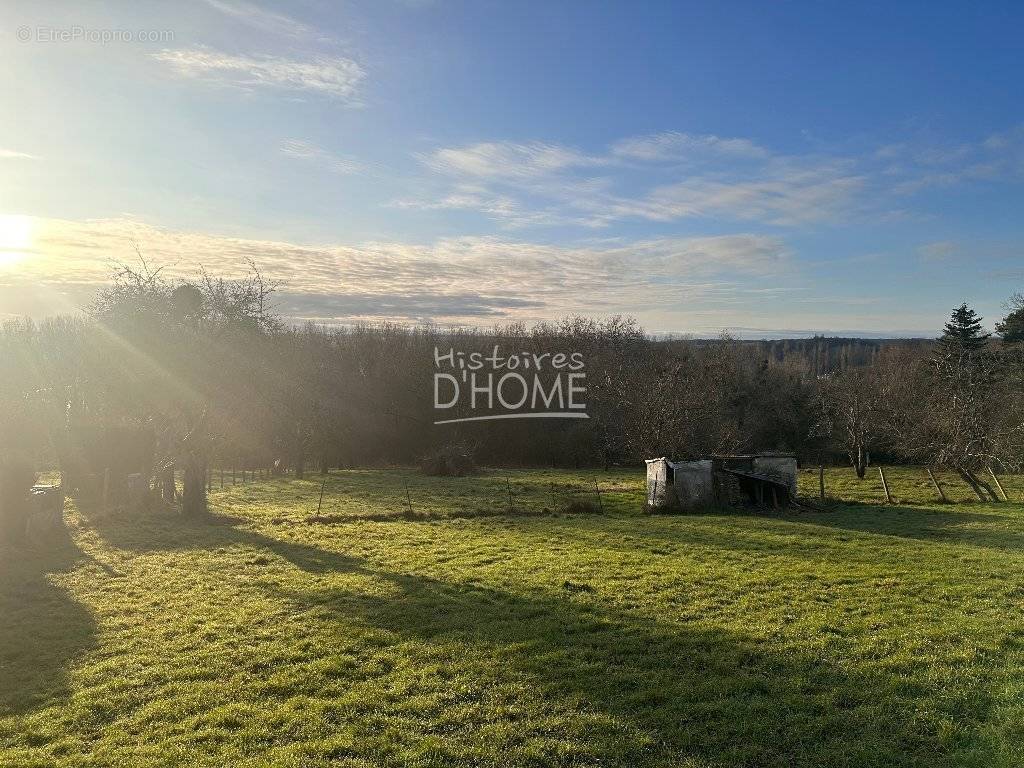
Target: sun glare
(15, 238)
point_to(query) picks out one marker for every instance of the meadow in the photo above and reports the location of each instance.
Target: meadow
(433, 622)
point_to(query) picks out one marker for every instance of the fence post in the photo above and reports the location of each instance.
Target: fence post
(320, 503)
(998, 484)
(885, 485)
(942, 493)
(600, 501)
(821, 482)
(508, 484)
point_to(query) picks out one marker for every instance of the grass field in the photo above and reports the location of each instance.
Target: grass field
(460, 634)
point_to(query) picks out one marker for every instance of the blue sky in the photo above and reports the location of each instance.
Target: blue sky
(771, 169)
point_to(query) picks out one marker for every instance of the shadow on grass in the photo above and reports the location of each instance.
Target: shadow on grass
(954, 524)
(43, 630)
(624, 689)
(150, 532)
(638, 691)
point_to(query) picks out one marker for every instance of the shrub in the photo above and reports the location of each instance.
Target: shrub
(452, 460)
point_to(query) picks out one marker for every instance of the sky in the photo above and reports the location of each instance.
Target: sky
(766, 169)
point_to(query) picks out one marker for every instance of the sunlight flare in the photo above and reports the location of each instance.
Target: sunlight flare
(15, 238)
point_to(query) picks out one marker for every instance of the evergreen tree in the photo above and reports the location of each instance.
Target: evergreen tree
(1012, 327)
(964, 332)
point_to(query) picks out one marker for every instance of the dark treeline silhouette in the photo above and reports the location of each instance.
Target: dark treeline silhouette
(824, 355)
(164, 376)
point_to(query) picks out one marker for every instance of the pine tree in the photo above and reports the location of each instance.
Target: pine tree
(1012, 327)
(964, 332)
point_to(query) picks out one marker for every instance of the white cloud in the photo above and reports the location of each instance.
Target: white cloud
(785, 196)
(10, 154)
(465, 280)
(333, 76)
(505, 209)
(507, 160)
(999, 158)
(547, 183)
(260, 18)
(672, 176)
(304, 150)
(672, 145)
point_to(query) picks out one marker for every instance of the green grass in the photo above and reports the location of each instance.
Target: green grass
(461, 634)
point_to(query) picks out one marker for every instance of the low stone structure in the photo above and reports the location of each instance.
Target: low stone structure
(763, 479)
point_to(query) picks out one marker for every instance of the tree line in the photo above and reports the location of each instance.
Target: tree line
(166, 376)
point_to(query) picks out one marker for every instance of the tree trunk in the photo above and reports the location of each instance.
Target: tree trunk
(860, 463)
(985, 486)
(299, 451)
(193, 487)
(969, 478)
(167, 483)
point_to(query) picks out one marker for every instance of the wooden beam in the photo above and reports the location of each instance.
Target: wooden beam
(998, 484)
(942, 493)
(885, 486)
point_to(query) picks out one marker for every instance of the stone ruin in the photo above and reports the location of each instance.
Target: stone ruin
(759, 480)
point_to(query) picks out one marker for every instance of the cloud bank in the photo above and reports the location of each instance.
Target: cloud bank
(463, 280)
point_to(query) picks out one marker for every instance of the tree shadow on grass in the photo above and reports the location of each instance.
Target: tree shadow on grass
(952, 525)
(616, 688)
(152, 532)
(43, 630)
(938, 524)
(631, 690)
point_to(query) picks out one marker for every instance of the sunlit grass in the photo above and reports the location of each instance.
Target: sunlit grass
(867, 635)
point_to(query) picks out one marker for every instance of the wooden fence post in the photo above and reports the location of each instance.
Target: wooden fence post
(600, 501)
(885, 485)
(320, 503)
(998, 484)
(508, 484)
(821, 482)
(942, 493)
(969, 479)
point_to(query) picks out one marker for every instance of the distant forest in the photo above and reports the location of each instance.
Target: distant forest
(823, 355)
